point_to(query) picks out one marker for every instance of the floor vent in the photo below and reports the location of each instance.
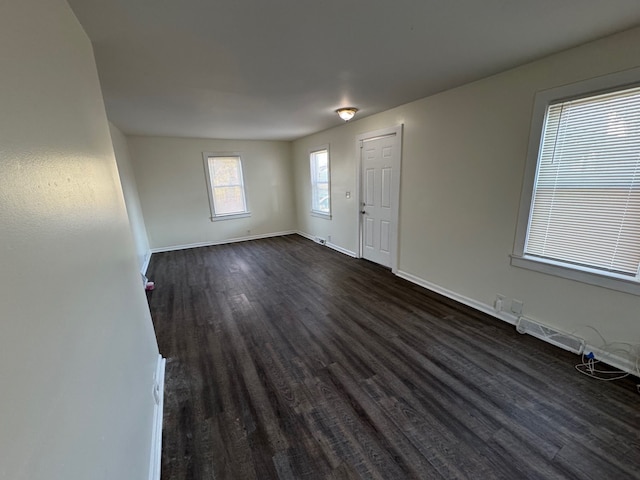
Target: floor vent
(548, 334)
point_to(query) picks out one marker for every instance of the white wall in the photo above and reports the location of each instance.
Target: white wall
(464, 153)
(131, 197)
(77, 347)
(173, 190)
(340, 230)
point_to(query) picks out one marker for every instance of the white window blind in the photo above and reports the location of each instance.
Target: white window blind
(586, 201)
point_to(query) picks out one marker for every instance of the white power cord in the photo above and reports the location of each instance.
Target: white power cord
(589, 363)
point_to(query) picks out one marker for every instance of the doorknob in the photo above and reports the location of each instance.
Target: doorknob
(363, 212)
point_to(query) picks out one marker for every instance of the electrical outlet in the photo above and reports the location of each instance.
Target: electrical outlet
(498, 305)
(328, 238)
(516, 307)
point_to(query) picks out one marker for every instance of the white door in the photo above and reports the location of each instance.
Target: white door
(380, 192)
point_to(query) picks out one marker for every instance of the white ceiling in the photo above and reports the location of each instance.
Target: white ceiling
(277, 69)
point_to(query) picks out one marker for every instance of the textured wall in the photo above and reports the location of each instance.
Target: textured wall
(77, 347)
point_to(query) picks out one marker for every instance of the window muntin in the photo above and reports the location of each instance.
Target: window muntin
(226, 186)
(320, 182)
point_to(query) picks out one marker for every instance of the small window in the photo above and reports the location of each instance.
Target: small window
(226, 186)
(584, 206)
(320, 182)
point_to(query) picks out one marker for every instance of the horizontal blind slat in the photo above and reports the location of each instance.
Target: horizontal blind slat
(586, 204)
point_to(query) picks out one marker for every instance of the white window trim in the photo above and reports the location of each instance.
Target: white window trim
(317, 213)
(229, 216)
(542, 100)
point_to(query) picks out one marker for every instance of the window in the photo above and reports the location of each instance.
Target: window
(583, 205)
(226, 186)
(320, 182)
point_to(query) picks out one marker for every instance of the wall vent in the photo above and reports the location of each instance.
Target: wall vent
(548, 334)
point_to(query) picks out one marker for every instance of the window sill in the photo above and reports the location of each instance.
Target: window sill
(613, 282)
(321, 215)
(231, 216)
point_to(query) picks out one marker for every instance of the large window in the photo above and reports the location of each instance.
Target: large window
(583, 213)
(226, 186)
(320, 182)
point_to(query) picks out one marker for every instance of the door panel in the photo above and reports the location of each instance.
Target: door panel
(385, 236)
(380, 167)
(368, 235)
(369, 188)
(386, 187)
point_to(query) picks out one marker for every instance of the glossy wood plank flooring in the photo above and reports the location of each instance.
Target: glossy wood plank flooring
(287, 360)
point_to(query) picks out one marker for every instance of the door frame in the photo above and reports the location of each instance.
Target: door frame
(395, 212)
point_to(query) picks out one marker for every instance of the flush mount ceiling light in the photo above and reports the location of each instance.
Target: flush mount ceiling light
(346, 113)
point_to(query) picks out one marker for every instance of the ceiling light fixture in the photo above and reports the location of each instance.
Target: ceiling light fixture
(346, 113)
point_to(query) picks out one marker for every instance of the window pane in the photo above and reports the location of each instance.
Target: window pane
(227, 188)
(320, 191)
(322, 203)
(226, 171)
(322, 167)
(586, 204)
(228, 200)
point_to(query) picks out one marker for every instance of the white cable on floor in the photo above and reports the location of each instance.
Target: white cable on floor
(589, 363)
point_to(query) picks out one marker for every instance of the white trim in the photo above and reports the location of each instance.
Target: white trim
(396, 131)
(332, 246)
(338, 248)
(230, 216)
(584, 275)
(326, 216)
(306, 235)
(616, 361)
(542, 100)
(213, 217)
(358, 166)
(320, 148)
(221, 242)
(156, 435)
(145, 264)
(470, 302)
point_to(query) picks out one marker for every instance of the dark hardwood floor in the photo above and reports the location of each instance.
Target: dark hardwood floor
(287, 360)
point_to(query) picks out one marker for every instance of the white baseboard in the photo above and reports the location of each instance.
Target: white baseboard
(338, 248)
(145, 264)
(221, 242)
(470, 302)
(615, 361)
(155, 461)
(332, 246)
(306, 235)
